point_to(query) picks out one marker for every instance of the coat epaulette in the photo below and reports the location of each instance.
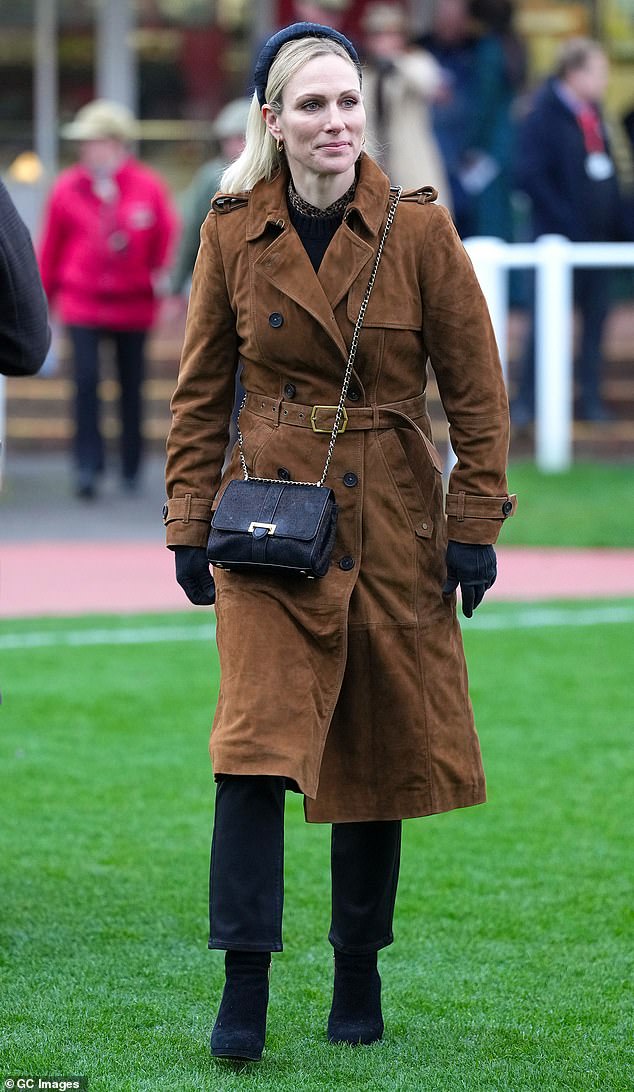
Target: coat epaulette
(229, 202)
(424, 195)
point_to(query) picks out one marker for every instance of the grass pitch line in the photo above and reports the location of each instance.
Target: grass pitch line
(132, 635)
(522, 618)
(546, 617)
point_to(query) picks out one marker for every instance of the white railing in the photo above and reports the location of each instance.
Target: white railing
(553, 257)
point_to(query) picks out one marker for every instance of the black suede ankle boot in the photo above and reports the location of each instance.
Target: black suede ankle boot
(355, 1016)
(240, 1027)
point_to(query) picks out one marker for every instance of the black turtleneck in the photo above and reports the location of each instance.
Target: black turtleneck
(315, 232)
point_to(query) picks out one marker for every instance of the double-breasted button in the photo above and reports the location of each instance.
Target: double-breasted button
(165, 511)
(283, 473)
(507, 508)
(276, 320)
(346, 563)
(353, 394)
(350, 479)
(290, 390)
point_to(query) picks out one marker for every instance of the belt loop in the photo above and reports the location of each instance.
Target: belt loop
(375, 415)
(188, 507)
(277, 405)
(462, 496)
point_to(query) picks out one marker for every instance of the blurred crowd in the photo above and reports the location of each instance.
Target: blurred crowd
(450, 109)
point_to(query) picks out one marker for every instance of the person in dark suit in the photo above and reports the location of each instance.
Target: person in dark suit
(565, 166)
(24, 330)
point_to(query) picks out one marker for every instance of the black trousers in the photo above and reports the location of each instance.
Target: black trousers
(89, 447)
(246, 879)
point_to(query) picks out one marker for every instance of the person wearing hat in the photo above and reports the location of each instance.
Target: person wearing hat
(228, 131)
(399, 84)
(108, 232)
(350, 689)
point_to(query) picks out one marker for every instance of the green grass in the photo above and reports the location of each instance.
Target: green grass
(513, 957)
(588, 505)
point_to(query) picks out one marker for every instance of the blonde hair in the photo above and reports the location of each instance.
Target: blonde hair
(260, 158)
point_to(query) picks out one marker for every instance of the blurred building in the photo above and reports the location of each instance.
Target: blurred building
(177, 62)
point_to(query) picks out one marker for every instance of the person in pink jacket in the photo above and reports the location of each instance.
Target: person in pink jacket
(108, 233)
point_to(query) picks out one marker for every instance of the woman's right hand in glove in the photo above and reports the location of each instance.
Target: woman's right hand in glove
(194, 576)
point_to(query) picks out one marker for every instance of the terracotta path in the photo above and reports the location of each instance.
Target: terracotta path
(59, 578)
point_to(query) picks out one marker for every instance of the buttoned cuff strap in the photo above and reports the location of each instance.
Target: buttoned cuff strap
(462, 506)
(187, 508)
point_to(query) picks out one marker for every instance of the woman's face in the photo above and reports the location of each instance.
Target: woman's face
(101, 155)
(322, 121)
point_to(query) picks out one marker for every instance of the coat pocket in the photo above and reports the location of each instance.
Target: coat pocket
(411, 490)
(256, 433)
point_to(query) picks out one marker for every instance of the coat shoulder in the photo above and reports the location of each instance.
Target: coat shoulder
(418, 210)
(424, 195)
(224, 203)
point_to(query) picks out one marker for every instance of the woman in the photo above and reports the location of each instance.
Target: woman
(351, 689)
(108, 231)
(400, 84)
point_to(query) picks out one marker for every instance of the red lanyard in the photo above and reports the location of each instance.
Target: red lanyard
(590, 123)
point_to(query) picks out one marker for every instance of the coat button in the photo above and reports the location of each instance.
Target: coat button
(346, 563)
(507, 508)
(275, 320)
(353, 394)
(165, 511)
(290, 390)
(283, 473)
(350, 479)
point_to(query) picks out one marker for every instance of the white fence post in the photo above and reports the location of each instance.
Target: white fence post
(553, 257)
(553, 353)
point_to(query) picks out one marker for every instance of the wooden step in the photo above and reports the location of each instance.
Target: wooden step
(39, 409)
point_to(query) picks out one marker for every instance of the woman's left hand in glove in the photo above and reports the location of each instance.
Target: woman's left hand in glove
(474, 568)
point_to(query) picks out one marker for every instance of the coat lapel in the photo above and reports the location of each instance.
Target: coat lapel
(343, 261)
(285, 264)
(351, 252)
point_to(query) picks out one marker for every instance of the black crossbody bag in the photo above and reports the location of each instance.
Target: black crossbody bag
(274, 526)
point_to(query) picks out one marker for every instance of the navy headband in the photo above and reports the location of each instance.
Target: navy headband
(270, 49)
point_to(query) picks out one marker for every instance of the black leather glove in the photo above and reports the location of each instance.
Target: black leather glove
(193, 575)
(474, 568)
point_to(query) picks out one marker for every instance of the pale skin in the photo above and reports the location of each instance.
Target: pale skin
(103, 154)
(589, 83)
(322, 124)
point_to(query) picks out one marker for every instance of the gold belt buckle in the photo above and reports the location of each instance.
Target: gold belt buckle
(342, 424)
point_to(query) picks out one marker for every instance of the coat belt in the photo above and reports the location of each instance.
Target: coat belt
(322, 418)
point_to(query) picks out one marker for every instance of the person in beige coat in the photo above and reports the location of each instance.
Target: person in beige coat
(399, 84)
(351, 689)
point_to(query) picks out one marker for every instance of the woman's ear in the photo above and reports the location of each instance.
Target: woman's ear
(271, 121)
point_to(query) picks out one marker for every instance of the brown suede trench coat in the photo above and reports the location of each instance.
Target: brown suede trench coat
(354, 686)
